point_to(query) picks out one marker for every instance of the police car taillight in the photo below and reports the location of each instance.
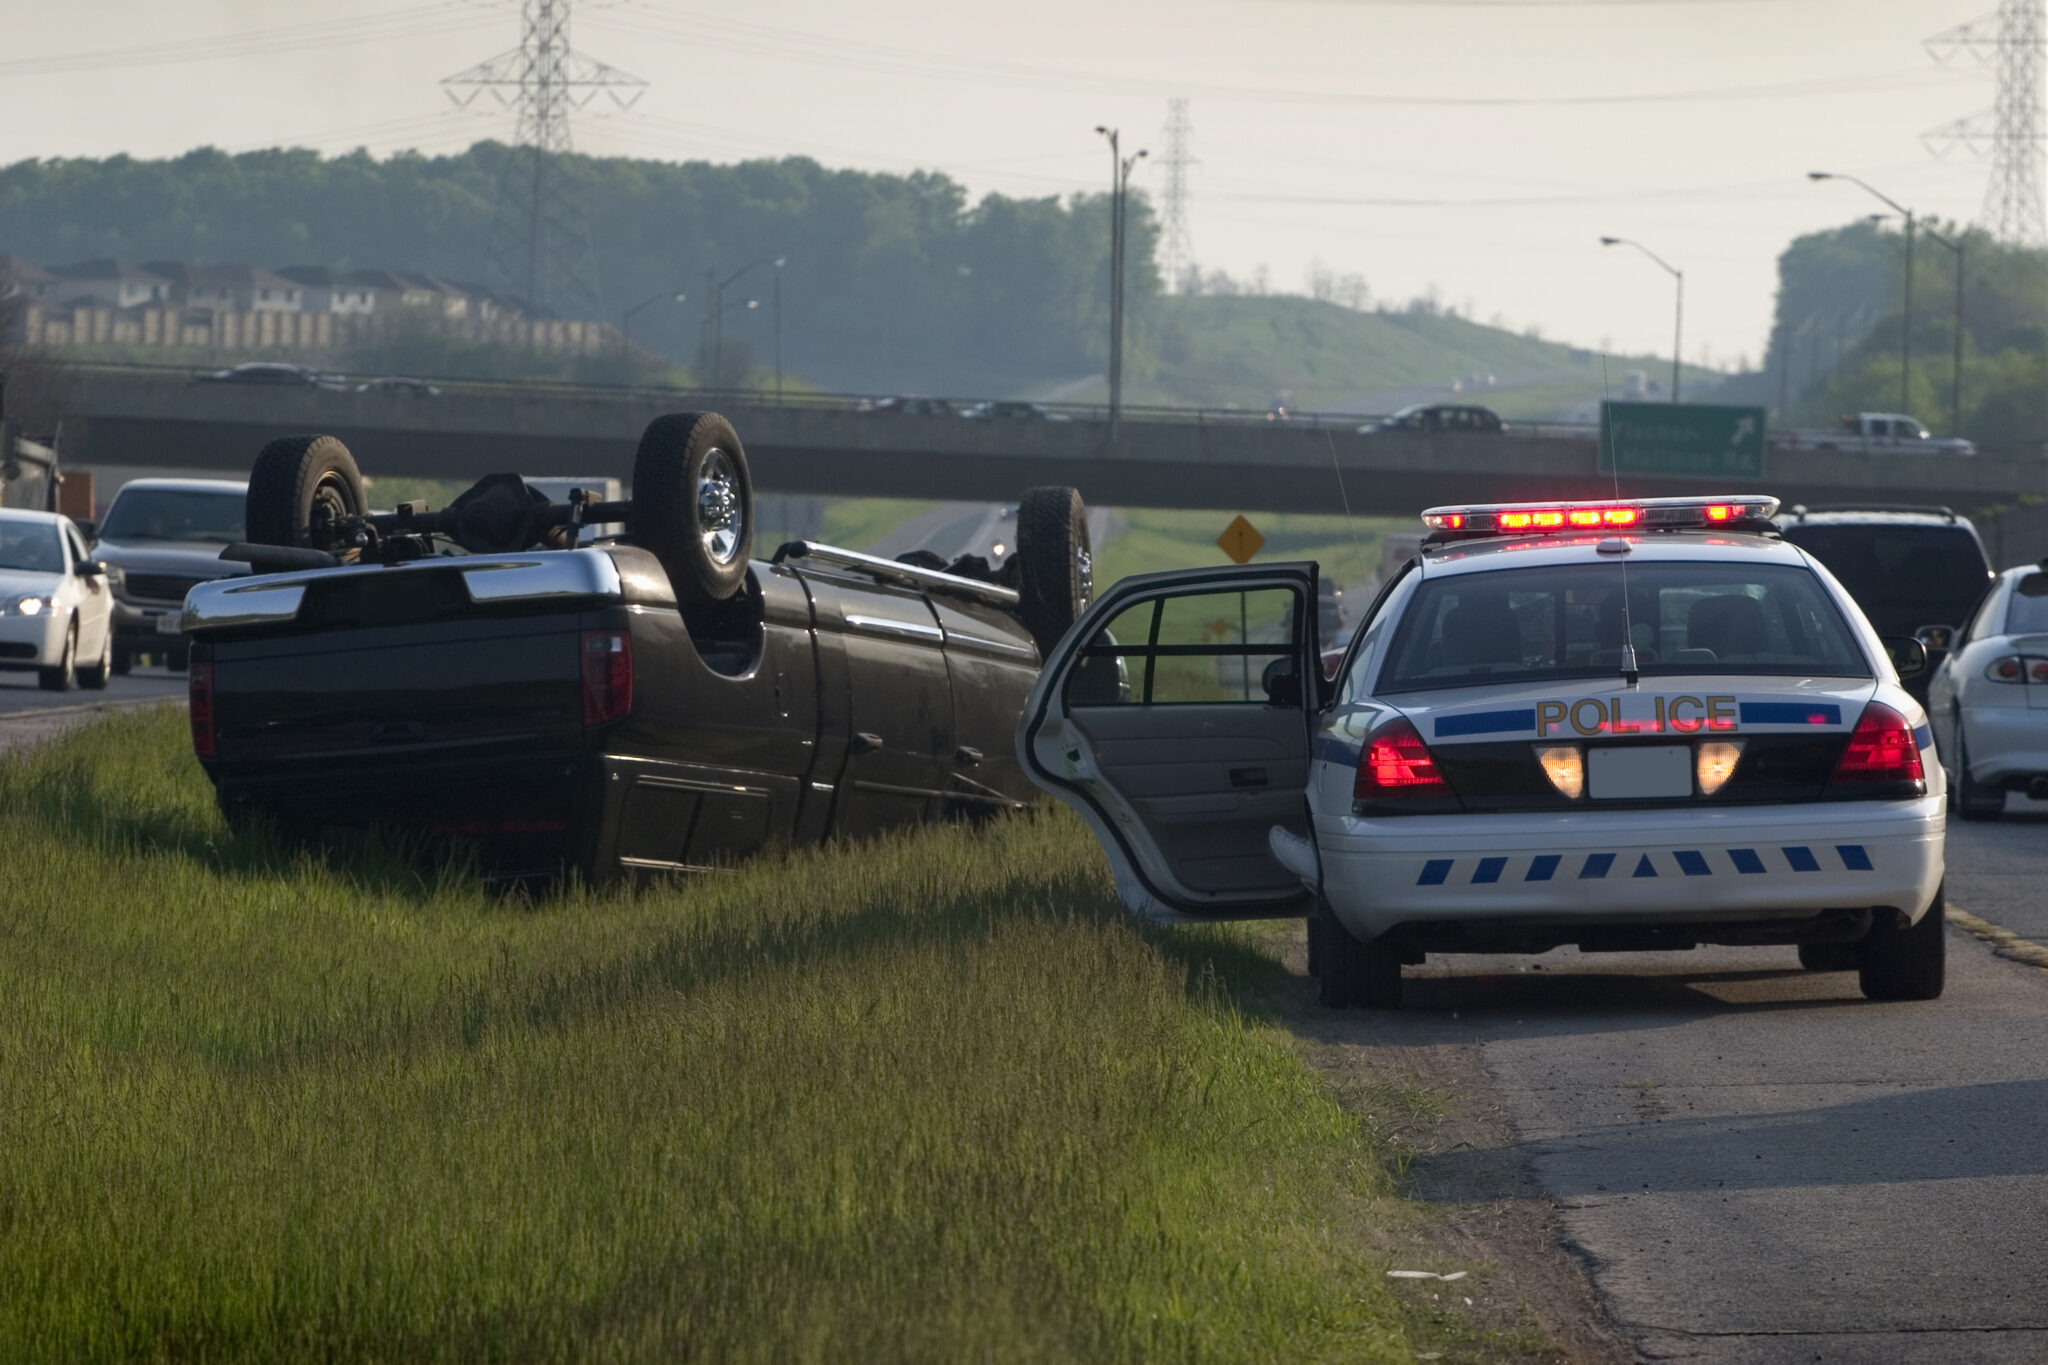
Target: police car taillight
(1396, 763)
(1642, 514)
(1882, 749)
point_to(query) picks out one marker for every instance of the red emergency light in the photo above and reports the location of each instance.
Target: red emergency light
(1640, 514)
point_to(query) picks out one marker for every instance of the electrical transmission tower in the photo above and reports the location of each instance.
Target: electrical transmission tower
(540, 239)
(1175, 246)
(2014, 128)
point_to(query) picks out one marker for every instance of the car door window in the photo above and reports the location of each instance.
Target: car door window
(1197, 649)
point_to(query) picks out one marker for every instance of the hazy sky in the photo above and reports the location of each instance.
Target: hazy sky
(1478, 146)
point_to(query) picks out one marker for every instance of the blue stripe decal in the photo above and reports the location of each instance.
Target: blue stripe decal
(1485, 723)
(1596, 866)
(1330, 749)
(1802, 859)
(1645, 868)
(1541, 868)
(1692, 863)
(1746, 861)
(1854, 857)
(1791, 713)
(1923, 737)
(1434, 871)
(1488, 870)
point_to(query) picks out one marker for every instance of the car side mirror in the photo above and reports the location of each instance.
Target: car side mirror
(1936, 637)
(91, 568)
(1909, 656)
(1282, 684)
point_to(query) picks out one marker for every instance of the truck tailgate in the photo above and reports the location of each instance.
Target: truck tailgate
(383, 693)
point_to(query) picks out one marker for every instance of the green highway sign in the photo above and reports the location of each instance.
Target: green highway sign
(1679, 439)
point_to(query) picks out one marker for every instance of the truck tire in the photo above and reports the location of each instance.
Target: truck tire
(1909, 963)
(292, 476)
(693, 506)
(1055, 562)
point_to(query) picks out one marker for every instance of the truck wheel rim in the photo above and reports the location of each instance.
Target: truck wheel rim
(331, 493)
(720, 518)
(1084, 574)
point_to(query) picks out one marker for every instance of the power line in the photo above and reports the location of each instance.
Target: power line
(2013, 128)
(700, 30)
(382, 26)
(541, 238)
(1176, 249)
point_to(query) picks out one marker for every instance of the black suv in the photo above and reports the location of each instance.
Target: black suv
(1907, 567)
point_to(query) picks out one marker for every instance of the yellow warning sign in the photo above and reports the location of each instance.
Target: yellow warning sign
(1240, 540)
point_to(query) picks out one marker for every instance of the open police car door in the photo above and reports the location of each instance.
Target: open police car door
(1176, 718)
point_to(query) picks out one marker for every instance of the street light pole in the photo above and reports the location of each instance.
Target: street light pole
(626, 322)
(718, 319)
(1906, 305)
(1678, 321)
(778, 337)
(1119, 191)
(1955, 392)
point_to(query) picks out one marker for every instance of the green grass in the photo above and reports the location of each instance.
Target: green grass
(930, 1098)
(1211, 350)
(857, 523)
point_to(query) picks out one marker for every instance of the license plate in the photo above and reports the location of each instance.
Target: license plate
(170, 624)
(1636, 774)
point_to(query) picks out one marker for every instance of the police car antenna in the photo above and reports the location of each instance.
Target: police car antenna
(1349, 520)
(1630, 674)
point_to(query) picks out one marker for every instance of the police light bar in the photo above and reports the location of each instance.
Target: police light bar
(1640, 514)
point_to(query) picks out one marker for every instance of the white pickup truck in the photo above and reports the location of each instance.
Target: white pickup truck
(1879, 433)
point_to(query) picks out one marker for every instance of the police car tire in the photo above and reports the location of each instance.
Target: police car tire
(1972, 799)
(1906, 963)
(1355, 973)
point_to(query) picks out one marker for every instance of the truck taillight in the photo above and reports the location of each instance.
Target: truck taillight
(199, 683)
(1396, 763)
(607, 675)
(1882, 749)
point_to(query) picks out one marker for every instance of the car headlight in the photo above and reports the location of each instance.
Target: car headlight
(27, 606)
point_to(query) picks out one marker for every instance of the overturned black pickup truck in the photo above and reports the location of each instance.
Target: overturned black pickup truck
(656, 701)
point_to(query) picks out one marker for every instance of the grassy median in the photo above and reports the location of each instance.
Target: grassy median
(929, 1098)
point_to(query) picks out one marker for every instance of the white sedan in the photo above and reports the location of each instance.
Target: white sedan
(56, 612)
(1989, 699)
(1619, 725)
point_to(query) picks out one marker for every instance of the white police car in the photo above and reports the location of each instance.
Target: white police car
(1621, 725)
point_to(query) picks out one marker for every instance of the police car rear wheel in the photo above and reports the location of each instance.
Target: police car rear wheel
(1354, 973)
(1906, 963)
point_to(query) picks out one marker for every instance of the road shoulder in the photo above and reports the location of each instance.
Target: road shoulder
(1526, 1289)
(21, 728)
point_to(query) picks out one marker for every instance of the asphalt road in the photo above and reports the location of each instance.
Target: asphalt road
(1757, 1165)
(28, 714)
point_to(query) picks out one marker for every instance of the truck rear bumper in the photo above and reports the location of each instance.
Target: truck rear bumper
(527, 812)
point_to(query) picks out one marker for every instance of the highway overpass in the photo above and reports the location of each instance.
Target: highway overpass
(156, 420)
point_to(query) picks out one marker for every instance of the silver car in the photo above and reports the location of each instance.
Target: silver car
(1988, 702)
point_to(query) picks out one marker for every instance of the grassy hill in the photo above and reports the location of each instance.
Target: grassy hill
(1217, 351)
